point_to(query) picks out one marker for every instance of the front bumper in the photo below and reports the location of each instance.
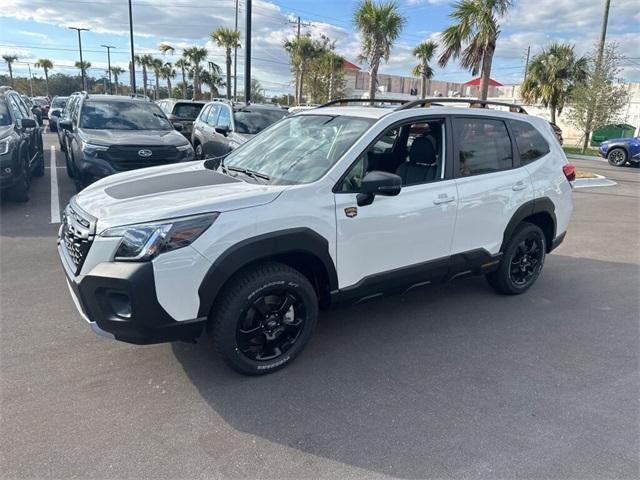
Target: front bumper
(118, 300)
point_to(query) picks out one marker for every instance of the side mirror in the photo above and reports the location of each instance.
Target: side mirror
(378, 183)
(178, 126)
(55, 113)
(35, 109)
(28, 123)
(65, 125)
(223, 130)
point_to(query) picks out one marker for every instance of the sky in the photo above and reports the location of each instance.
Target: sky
(33, 29)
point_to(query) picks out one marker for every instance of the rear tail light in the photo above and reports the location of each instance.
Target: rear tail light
(569, 172)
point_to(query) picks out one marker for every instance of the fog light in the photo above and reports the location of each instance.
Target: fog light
(8, 170)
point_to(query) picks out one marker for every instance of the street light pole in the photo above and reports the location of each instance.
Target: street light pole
(109, 47)
(132, 73)
(235, 59)
(247, 53)
(84, 87)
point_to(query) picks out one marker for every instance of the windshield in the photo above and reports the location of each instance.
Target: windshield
(59, 102)
(123, 115)
(299, 149)
(187, 110)
(41, 102)
(5, 117)
(254, 121)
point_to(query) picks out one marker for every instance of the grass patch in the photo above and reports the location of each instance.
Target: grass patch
(583, 174)
(578, 150)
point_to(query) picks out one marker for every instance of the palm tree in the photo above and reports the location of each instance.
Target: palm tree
(379, 25)
(213, 79)
(83, 66)
(166, 47)
(332, 63)
(195, 55)
(227, 39)
(301, 51)
(116, 72)
(183, 64)
(144, 61)
(552, 75)
(157, 65)
(46, 65)
(424, 52)
(476, 31)
(10, 59)
(168, 72)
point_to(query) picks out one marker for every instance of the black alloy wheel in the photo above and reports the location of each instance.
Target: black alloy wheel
(617, 157)
(271, 325)
(527, 260)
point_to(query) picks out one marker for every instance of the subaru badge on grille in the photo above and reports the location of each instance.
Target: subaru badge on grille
(145, 153)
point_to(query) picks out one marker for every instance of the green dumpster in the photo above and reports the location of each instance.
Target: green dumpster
(618, 130)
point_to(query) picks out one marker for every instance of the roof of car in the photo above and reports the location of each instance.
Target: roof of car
(349, 111)
(115, 98)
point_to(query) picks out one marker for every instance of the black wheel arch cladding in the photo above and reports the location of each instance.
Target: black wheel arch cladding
(540, 210)
(301, 242)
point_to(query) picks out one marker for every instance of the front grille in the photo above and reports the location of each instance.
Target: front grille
(76, 236)
(127, 157)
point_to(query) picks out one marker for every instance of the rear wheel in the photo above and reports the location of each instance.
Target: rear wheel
(265, 317)
(20, 191)
(521, 262)
(199, 152)
(39, 170)
(617, 157)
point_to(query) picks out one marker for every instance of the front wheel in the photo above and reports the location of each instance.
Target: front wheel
(521, 262)
(199, 152)
(617, 157)
(264, 318)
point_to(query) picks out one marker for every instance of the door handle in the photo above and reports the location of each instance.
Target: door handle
(443, 199)
(519, 186)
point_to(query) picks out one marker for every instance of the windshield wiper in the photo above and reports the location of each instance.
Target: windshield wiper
(249, 173)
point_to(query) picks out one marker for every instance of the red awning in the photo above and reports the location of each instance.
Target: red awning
(476, 83)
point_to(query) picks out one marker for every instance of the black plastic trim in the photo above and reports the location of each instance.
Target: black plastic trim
(558, 241)
(538, 205)
(264, 247)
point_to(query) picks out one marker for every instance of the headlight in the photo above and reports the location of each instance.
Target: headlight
(92, 150)
(144, 241)
(184, 148)
(5, 145)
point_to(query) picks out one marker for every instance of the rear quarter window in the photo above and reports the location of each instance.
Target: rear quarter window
(531, 144)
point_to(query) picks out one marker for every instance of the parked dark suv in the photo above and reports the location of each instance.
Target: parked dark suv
(21, 155)
(181, 111)
(107, 134)
(223, 126)
(55, 110)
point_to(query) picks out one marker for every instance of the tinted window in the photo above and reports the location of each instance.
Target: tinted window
(134, 115)
(531, 144)
(204, 113)
(484, 146)
(224, 119)
(14, 106)
(5, 116)
(59, 102)
(254, 121)
(187, 110)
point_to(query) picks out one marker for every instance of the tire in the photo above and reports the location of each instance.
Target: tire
(521, 262)
(20, 191)
(71, 173)
(199, 152)
(259, 302)
(617, 157)
(39, 170)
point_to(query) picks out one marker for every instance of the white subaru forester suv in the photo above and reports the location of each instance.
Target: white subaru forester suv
(333, 204)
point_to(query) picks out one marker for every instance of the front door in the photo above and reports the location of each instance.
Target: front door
(402, 233)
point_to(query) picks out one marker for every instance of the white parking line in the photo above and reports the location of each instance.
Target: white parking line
(55, 201)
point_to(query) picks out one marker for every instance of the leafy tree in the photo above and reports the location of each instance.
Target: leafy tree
(184, 65)
(424, 52)
(228, 39)
(196, 55)
(301, 52)
(46, 65)
(166, 48)
(212, 78)
(116, 72)
(10, 59)
(379, 25)
(477, 32)
(257, 91)
(83, 66)
(145, 61)
(600, 99)
(325, 79)
(552, 76)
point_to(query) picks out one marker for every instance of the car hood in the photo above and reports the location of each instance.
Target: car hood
(133, 137)
(170, 191)
(242, 137)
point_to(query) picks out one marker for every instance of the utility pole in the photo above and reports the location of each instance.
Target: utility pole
(235, 59)
(298, 95)
(300, 24)
(132, 72)
(109, 47)
(526, 65)
(84, 87)
(247, 54)
(30, 79)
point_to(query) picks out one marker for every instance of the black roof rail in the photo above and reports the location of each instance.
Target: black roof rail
(473, 103)
(341, 101)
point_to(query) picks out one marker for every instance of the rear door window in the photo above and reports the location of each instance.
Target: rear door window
(189, 111)
(213, 115)
(483, 146)
(531, 144)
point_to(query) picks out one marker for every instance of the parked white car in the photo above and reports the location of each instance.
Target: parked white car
(332, 204)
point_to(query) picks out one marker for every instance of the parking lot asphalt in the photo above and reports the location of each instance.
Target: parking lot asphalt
(446, 381)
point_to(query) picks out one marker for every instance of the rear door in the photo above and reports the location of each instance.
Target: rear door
(490, 181)
(209, 132)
